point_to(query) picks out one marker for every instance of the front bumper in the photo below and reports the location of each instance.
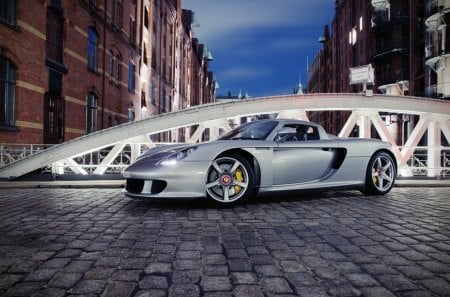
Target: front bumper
(183, 180)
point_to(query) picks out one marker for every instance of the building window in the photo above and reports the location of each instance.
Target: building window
(117, 69)
(111, 65)
(7, 92)
(153, 57)
(54, 44)
(143, 101)
(8, 12)
(92, 49)
(145, 54)
(132, 31)
(91, 113)
(117, 14)
(146, 18)
(162, 103)
(53, 118)
(131, 70)
(115, 62)
(130, 114)
(152, 93)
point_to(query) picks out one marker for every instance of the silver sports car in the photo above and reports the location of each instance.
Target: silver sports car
(262, 157)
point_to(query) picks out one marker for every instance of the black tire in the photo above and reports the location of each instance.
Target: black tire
(380, 174)
(230, 180)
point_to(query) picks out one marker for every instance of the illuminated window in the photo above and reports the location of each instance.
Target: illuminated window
(360, 24)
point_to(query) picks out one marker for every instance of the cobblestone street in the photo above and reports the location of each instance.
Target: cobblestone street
(96, 242)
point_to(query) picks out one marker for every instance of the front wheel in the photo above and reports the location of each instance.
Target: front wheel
(380, 175)
(230, 180)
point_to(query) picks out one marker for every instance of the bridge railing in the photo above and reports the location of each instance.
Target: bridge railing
(10, 152)
(90, 162)
(109, 150)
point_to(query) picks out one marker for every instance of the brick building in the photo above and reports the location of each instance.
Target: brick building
(74, 67)
(406, 42)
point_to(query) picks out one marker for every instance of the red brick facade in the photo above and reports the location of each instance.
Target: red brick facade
(72, 66)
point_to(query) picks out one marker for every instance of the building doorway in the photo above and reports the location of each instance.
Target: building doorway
(53, 118)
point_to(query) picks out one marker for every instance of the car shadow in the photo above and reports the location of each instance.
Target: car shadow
(261, 199)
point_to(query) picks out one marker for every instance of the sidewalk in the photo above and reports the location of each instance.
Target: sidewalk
(83, 184)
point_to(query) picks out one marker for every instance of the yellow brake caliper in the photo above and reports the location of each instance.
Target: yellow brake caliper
(239, 177)
(374, 177)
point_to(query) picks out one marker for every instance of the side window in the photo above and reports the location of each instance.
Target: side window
(304, 133)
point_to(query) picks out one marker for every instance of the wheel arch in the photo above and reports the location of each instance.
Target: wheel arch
(250, 158)
(390, 153)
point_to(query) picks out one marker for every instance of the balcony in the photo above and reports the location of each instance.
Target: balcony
(436, 91)
(433, 50)
(379, 5)
(393, 77)
(435, 10)
(387, 48)
(436, 6)
(387, 18)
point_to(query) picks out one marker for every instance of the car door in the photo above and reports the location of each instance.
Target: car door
(303, 158)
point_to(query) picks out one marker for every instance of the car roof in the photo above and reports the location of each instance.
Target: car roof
(284, 121)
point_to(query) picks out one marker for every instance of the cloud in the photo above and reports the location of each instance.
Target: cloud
(288, 44)
(224, 19)
(243, 72)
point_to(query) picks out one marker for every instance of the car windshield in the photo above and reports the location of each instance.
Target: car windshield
(258, 130)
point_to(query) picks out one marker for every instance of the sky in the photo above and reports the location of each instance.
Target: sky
(260, 46)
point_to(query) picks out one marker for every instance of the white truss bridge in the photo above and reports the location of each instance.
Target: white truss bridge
(110, 150)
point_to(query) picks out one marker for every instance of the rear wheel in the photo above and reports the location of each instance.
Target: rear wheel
(380, 175)
(230, 179)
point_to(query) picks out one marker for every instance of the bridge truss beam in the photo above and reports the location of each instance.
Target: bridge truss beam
(116, 147)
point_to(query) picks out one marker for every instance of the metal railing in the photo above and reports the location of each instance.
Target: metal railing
(9, 153)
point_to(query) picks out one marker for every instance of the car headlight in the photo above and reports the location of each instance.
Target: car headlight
(178, 156)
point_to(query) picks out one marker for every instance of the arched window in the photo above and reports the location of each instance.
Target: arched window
(7, 92)
(92, 49)
(117, 69)
(91, 113)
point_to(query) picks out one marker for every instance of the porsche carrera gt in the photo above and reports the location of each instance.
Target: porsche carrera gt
(262, 157)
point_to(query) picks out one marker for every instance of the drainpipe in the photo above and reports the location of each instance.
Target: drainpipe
(104, 64)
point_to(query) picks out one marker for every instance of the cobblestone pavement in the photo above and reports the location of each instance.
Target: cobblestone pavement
(96, 242)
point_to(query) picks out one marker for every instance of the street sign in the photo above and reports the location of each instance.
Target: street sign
(362, 75)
